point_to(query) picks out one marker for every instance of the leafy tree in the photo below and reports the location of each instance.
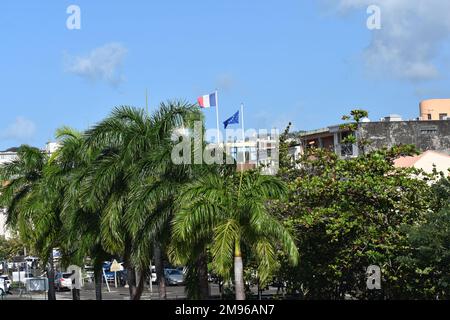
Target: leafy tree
(428, 259)
(356, 116)
(10, 248)
(349, 214)
(441, 191)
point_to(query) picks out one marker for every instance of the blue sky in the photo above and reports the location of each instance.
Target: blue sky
(307, 62)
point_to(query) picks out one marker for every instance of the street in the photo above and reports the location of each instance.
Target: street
(120, 293)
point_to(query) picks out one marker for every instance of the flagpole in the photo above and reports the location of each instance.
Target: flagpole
(243, 132)
(146, 101)
(242, 115)
(217, 118)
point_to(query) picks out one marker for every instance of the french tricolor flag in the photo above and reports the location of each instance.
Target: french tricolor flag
(207, 101)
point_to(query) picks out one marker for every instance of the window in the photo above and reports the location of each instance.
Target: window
(429, 116)
(346, 150)
(312, 144)
(442, 116)
(429, 130)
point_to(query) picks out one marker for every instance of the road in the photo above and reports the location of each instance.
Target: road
(121, 293)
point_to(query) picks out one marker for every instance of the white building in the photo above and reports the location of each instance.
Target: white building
(261, 151)
(7, 156)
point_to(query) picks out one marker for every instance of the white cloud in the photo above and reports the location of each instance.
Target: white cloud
(407, 46)
(101, 64)
(266, 120)
(226, 82)
(21, 129)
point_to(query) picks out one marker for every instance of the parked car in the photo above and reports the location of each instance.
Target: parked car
(174, 277)
(6, 284)
(63, 281)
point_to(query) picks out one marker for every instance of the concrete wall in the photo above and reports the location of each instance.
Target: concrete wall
(425, 135)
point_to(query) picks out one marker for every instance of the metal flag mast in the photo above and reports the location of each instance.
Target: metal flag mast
(217, 118)
(146, 102)
(242, 116)
(243, 132)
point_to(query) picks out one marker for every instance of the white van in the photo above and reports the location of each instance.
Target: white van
(5, 284)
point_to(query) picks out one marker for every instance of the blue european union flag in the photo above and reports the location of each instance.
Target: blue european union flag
(233, 119)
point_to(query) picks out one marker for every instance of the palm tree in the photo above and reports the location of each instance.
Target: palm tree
(232, 211)
(24, 185)
(129, 181)
(73, 163)
(153, 200)
(193, 252)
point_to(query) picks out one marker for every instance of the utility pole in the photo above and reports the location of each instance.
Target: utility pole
(146, 102)
(26, 263)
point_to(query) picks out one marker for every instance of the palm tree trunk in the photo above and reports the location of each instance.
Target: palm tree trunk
(202, 267)
(140, 286)
(238, 273)
(159, 266)
(131, 270)
(76, 294)
(98, 275)
(51, 279)
(131, 280)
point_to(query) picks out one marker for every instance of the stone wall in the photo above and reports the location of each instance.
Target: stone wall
(425, 135)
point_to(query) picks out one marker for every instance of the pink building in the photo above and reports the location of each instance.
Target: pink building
(435, 109)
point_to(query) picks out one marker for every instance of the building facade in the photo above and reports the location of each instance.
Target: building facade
(8, 155)
(425, 135)
(261, 152)
(435, 109)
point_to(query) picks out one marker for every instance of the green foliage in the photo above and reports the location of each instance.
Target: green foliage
(441, 192)
(230, 211)
(355, 117)
(428, 259)
(114, 191)
(10, 248)
(349, 214)
(31, 196)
